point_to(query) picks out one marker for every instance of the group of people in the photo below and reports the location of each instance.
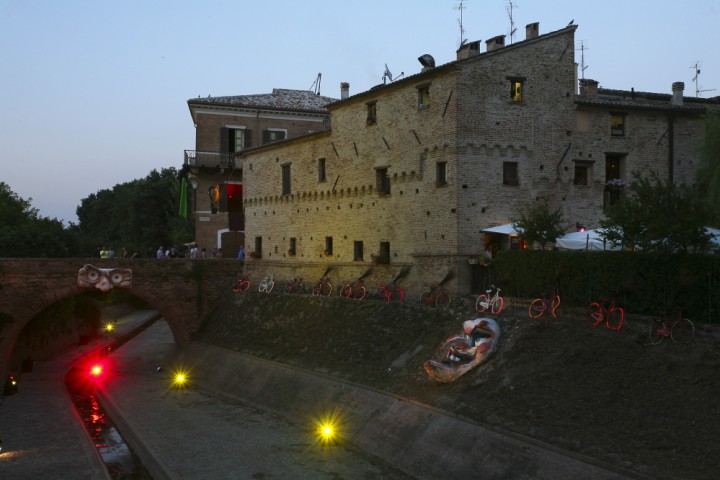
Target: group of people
(103, 252)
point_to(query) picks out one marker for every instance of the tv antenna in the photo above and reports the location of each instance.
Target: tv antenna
(315, 87)
(583, 67)
(461, 7)
(696, 69)
(509, 10)
(387, 75)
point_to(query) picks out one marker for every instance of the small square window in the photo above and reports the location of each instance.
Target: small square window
(510, 173)
(321, 170)
(424, 96)
(274, 135)
(441, 174)
(372, 113)
(516, 88)
(328, 246)
(382, 181)
(617, 124)
(358, 251)
(286, 179)
(582, 174)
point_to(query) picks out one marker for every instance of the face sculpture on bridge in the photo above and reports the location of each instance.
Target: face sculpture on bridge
(104, 279)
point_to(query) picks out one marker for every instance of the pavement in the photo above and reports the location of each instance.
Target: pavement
(243, 417)
(43, 436)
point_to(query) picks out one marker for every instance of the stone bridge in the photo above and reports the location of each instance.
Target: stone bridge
(182, 290)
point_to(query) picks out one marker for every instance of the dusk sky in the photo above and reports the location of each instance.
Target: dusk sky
(94, 93)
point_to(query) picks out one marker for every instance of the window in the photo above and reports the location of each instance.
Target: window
(510, 173)
(516, 89)
(358, 251)
(583, 173)
(328, 246)
(614, 183)
(274, 135)
(384, 256)
(321, 170)
(286, 179)
(617, 124)
(382, 181)
(258, 248)
(293, 247)
(235, 139)
(424, 96)
(441, 174)
(372, 113)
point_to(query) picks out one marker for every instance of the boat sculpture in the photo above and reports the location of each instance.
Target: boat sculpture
(462, 353)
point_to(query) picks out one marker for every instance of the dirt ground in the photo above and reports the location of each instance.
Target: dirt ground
(605, 394)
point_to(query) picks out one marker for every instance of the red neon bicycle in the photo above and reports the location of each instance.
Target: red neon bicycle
(546, 303)
(242, 285)
(354, 290)
(606, 310)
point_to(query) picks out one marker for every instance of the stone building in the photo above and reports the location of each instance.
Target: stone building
(225, 126)
(412, 172)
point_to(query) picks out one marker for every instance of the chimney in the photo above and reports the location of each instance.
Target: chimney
(495, 43)
(677, 88)
(532, 30)
(588, 88)
(344, 90)
(468, 50)
(427, 61)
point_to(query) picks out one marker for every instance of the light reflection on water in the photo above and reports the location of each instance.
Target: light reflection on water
(120, 461)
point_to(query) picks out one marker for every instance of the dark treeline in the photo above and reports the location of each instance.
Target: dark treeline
(137, 216)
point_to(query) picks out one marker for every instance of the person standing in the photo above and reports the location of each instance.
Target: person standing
(160, 252)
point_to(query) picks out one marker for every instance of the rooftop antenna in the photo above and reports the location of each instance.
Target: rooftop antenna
(509, 10)
(315, 87)
(461, 7)
(698, 91)
(387, 75)
(583, 67)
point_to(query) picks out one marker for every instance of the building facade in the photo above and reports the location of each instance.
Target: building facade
(412, 172)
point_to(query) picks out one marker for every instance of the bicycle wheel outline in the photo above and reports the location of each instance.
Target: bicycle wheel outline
(685, 331)
(358, 296)
(345, 291)
(442, 300)
(481, 304)
(425, 298)
(328, 286)
(392, 297)
(554, 305)
(263, 286)
(269, 286)
(655, 338)
(537, 307)
(316, 290)
(494, 303)
(615, 317)
(594, 314)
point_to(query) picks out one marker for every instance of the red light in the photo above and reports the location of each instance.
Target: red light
(96, 370)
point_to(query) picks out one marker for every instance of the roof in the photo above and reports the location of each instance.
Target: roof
(643, 100)
(279, 99)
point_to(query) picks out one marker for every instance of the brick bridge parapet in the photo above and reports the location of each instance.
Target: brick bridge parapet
(182, 290)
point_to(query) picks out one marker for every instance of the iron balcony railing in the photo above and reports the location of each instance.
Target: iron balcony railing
(210, 159)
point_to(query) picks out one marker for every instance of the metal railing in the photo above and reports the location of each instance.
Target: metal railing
(210, 159)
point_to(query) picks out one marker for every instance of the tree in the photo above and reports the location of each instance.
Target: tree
(23, 233)
(138, 215)
(540, 224)
(708, 178)
(660, 216)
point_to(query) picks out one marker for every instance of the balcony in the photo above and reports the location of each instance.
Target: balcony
(222, 160)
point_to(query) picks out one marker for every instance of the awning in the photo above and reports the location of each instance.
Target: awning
(587, 240)
(506, 229)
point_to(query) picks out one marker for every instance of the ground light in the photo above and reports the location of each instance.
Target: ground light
(180, 378)
(109, 327)
(327, 429)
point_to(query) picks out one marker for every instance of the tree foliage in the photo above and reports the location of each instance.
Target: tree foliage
(540, 224)
(658, 216)
(708, 178)
(25, 234)
(137, 215)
